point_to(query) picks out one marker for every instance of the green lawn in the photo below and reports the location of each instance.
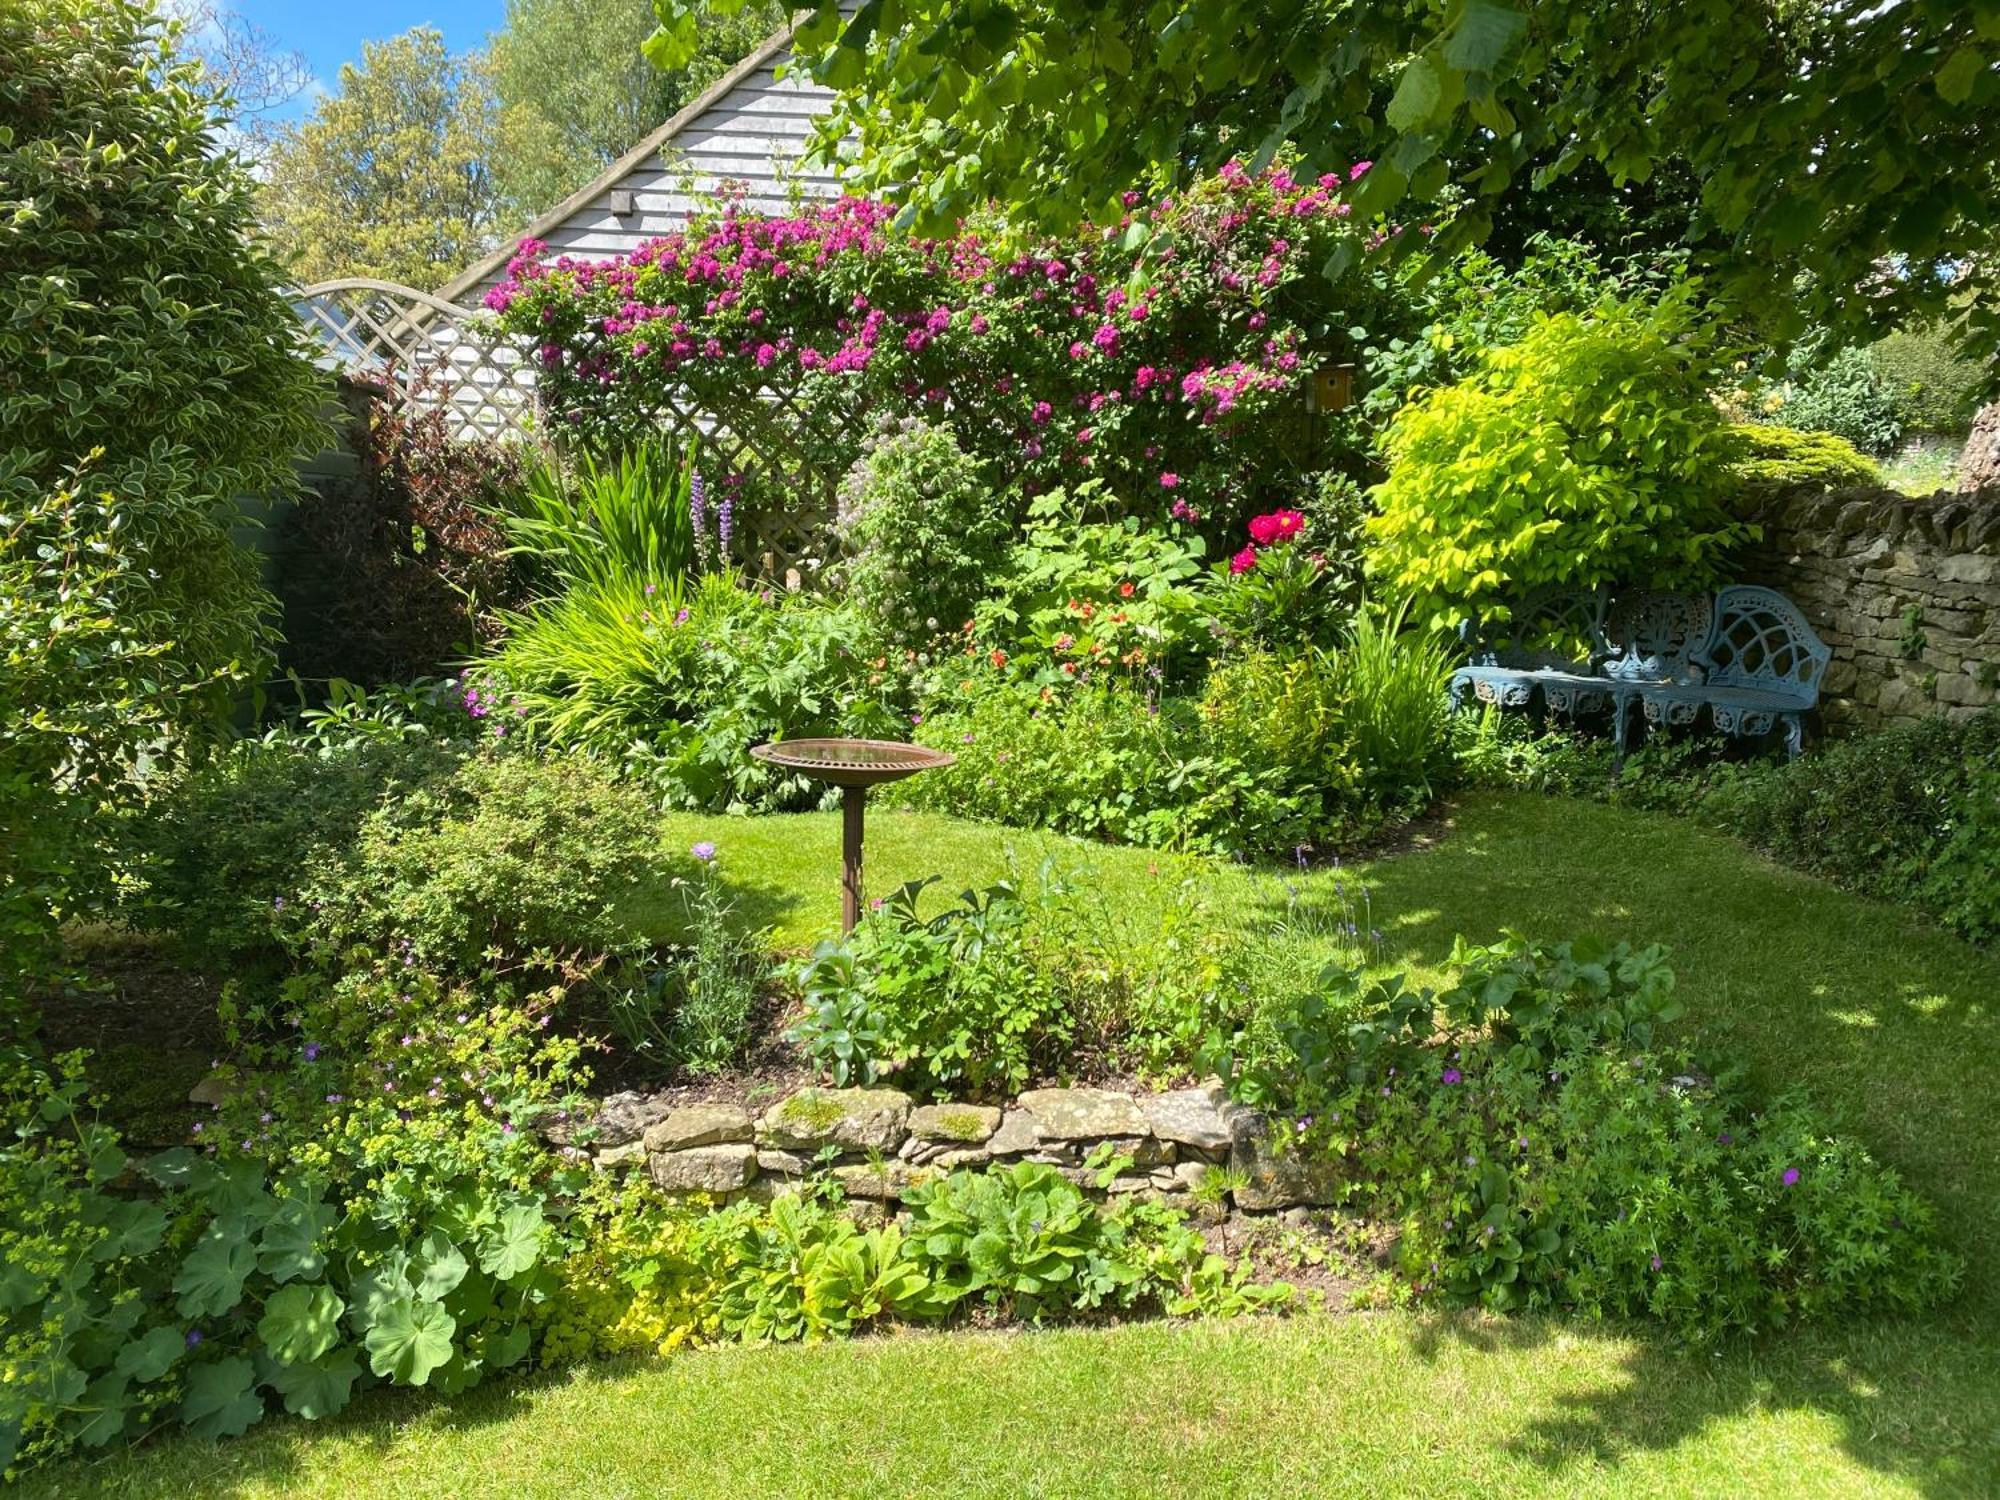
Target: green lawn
(1888, 1022)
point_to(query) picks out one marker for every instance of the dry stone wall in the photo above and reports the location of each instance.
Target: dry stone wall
(878, 1143)
(1906, 590)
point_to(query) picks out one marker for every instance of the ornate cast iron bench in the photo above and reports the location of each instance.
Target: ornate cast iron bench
(1747, 655)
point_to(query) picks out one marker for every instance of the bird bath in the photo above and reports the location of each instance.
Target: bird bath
(853, 766)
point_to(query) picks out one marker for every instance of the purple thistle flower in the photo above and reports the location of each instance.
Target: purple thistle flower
(703, 851)
(1452, 1075)
(1791, 1176)
(312, 1051)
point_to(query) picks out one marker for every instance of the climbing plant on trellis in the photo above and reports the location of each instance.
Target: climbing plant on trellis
(781, 454)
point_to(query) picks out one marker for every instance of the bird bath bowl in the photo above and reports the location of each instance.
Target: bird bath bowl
(853, 766)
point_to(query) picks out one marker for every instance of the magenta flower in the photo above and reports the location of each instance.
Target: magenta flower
(1452, 1075)
(1791, 1176)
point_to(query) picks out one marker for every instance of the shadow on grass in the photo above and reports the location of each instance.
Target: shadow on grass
(1897, 1399)
(1905, 1399)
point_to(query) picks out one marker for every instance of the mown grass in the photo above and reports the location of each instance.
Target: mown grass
(1889, 1023)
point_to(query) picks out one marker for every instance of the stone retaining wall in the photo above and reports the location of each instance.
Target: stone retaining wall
(877, 1143)
(1905, 590)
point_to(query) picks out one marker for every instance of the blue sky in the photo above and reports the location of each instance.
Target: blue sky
(330, 32)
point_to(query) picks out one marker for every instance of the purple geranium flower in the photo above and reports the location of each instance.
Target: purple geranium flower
(1791, 1176)
(703, 851)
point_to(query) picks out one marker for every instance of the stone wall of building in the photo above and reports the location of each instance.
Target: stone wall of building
(1906, 591)
(877, 1143)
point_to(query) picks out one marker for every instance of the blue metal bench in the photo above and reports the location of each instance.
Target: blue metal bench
(1747, 655)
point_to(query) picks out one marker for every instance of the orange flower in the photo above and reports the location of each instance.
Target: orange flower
(999, 658)
(1125, 591)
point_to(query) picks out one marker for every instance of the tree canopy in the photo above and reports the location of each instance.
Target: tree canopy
(1840, 154)
(575, 94)
(391, 176)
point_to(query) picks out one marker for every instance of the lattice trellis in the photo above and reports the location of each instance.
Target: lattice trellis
(427, 352)
(423, 351)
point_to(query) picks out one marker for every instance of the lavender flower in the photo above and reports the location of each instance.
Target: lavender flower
(703, 851)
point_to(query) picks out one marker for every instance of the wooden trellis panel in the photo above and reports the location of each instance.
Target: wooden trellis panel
(426, 352)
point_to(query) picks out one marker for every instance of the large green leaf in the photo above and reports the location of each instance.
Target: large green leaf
(211, 1279)
(301, 1322)
(221, 1399)
(100, 1416)
(514, 1244)
(1417, 95)
(1482, 36)
(150, 1357)
(409, 1339)
(440, 1266)
(289, 1249)
(318, 1389)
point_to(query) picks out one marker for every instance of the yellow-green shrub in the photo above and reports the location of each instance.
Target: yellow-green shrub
(1586, 453)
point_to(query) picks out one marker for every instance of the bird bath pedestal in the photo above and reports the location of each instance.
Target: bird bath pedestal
(853, 766)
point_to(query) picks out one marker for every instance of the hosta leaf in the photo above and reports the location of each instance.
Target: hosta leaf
(514, 1244)
(211, 1279)
(409, 1339)
(150, 1357)
(301, 1323)
(318, 1389)
(221, 1400)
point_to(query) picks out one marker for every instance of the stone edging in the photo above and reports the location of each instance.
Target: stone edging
(877, 1143)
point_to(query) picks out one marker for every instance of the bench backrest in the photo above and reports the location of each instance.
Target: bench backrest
(1760, 640)
(1561, 629)
(1656, 636)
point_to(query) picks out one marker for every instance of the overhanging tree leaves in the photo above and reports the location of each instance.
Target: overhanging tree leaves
(1844, 152)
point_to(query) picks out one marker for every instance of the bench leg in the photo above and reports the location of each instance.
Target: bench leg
(1795, 736)
(1619, 705)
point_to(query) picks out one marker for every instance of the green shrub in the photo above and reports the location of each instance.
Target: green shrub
(506, 859)
(1083, 600)
(224, 849)
(155, 375)
(1390, 685)
(924, 529)
(950, 1004)
(1786, 458)
(462, 861)
(1025, 1241)
(368, 1207)
(1587, 453)
(1539, 1145)
(1906, 814)
(692, 1008)
(1839, 393)
(1933, 387)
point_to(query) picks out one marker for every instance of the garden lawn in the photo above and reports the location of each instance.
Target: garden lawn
(1890, 1024)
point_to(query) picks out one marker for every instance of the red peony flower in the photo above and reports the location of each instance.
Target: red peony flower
(1278, 526)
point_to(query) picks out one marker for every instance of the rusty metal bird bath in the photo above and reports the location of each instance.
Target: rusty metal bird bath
(853, 766)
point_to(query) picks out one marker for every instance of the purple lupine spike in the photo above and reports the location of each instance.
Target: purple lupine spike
(698, 515)
(725, 523)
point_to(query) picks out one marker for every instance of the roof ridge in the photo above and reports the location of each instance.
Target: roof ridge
(647, 148)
